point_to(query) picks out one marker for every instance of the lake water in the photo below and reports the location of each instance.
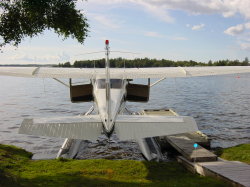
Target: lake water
(219, 104)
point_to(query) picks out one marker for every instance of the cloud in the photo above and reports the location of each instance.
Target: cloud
(63, 57)
(245, 46)
(180, 38)
(238, 29)
(158, 35)
(198, 27)
(106, 21)
(192, 6)
(242, 34)
(153, 34)
(235, 30)
(160, 8)
(237, 6)
(157, 11)
(226, 8)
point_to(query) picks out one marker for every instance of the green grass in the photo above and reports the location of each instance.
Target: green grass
(17, 169)
(236, 153)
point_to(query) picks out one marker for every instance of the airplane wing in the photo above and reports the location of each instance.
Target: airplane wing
(134, 127)
(123, 73)
(78, 127)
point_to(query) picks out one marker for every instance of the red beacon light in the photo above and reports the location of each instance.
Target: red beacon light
(107, 42)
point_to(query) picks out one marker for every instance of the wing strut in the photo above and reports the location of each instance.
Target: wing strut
(61, 82)
(158, 81)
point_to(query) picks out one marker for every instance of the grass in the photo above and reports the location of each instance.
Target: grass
(236, 153)
(17, 169)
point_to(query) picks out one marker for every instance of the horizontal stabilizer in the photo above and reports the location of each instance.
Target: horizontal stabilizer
(135, 127)
(79, 127)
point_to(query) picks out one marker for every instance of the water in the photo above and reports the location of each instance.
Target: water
(219, 104)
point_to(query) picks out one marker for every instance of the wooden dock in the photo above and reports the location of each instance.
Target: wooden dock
(200, 160)
(185, 146)
(233, 172)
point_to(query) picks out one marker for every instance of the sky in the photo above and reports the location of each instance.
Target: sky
(199, 30)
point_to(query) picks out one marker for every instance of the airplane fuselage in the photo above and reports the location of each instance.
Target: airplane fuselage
(115, 101)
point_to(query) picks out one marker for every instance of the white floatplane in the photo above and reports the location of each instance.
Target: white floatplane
(110, 89)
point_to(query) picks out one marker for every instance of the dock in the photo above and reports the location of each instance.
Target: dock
(186, 148)
(232, 172)
(200, 160)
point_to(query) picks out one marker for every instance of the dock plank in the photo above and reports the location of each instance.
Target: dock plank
(237, 172)
(232, 172)
(184, 145)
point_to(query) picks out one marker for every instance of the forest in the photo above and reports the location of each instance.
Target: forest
(146, 62)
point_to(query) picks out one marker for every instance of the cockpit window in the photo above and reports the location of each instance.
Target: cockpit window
(114, 83)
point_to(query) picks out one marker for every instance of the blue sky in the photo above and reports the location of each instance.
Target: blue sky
(171, 29)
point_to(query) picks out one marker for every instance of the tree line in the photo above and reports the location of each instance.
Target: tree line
(146, 62)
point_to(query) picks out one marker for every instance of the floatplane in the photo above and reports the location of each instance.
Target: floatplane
(109, 89)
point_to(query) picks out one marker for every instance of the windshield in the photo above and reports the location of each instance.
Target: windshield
(114, 83)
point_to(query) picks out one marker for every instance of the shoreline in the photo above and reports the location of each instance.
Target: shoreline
(18, 169)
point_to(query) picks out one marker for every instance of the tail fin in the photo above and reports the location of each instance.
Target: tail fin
(135, 127)
(79, 127)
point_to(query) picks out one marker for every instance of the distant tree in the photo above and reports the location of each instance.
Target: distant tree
(66, 64)
(28, 18)
(221, 63)
(234, 63)
(245, 62)
(146, 62)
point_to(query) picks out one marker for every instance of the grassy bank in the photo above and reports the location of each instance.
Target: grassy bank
(236, 153)
(17, 169)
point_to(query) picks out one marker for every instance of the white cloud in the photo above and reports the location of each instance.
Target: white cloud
(158, 35)
(108, 22)
(26, 58)
(157, 11)
(242, 34)
(245, 46)
(159, 8)
(238, 29)
(247, 25)
(198, 27)
(235, 30)
(226, 8)
(179, 38)
(153, 34)
(228, 14)
(238, 6)
(192, 6)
